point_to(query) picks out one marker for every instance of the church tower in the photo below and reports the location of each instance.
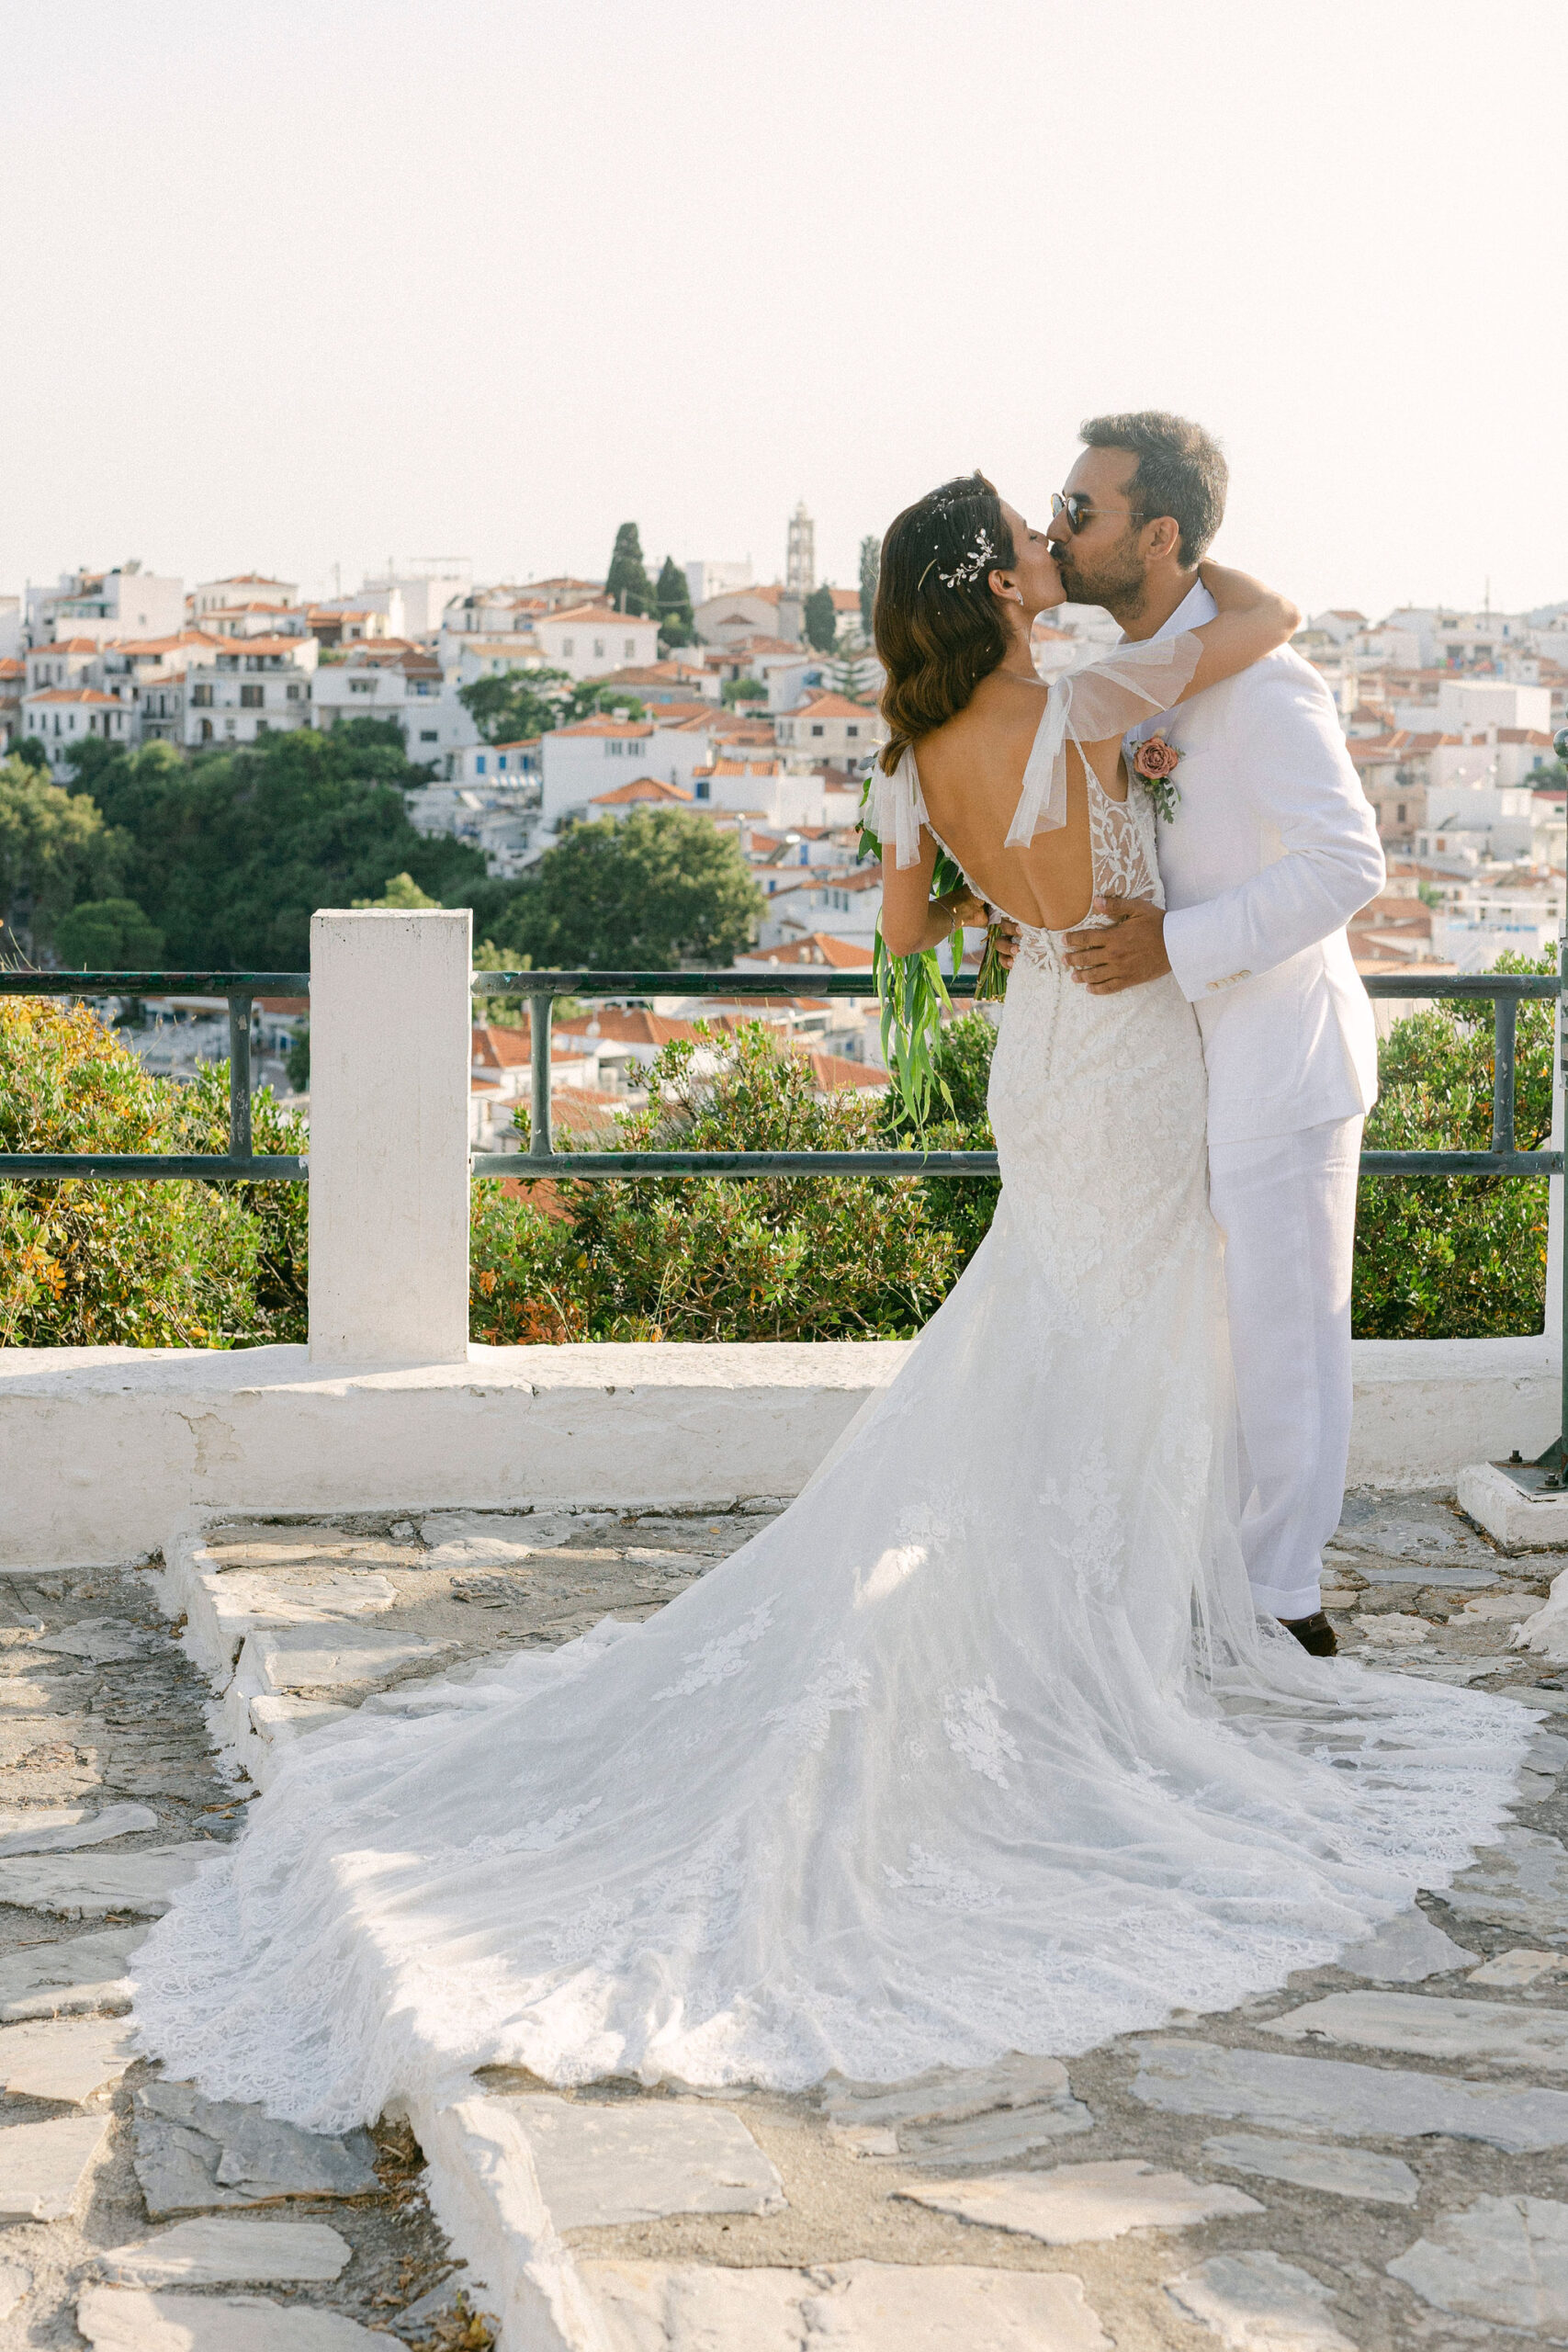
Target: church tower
(800, 565)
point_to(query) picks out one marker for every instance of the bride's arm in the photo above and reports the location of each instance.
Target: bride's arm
(911, 918)
(1253, 620)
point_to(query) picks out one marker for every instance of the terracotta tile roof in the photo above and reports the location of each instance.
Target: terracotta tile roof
(817, 947)
(833, 1071)
(500, 1046)
(9, 669)
(69, 645)
(76, 694)
(626, 1025)
(640, 788)
(829, 706)
(606, 728)
(593, 614)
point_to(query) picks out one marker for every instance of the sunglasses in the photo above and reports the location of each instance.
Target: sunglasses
(1081, 509)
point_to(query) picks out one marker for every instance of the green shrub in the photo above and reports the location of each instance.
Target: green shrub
(692, 1257)
(1455, 1257)
(155, 1264)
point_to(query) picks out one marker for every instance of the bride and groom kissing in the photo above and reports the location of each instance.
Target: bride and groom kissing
(993, 1740)
(1267, 847)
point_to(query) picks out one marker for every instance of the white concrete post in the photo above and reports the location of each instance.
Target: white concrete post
(391, 1015)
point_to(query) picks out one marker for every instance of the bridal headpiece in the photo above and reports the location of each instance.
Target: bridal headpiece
(969, 566)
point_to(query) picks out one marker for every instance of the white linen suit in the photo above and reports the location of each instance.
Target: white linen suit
(1272, 849)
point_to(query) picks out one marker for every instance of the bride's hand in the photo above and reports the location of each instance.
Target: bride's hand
(963, 907)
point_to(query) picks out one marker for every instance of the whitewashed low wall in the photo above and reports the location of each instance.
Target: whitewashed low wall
(104, 1449)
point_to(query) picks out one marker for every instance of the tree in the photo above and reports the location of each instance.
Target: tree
(627, 585)
(522, 704)
(674, 605)
(32, 751)
(231, 853)
(819, 619)
(54, 849)
(870, 572)
(736, 690)
(403, 895)
(107, 935)
(657, 889)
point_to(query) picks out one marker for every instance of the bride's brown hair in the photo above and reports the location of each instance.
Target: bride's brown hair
(936, 624)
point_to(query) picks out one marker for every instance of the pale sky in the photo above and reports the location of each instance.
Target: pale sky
(291, 283)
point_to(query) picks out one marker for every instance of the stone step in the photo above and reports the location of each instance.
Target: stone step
(44, 2165)
(61, 1828)
(96, 1885)
(1257, 2302)
(65, 2059)
(228, 2251)
(869, 2306)
(601, 2163)
(1084, 2204)
(84, 1972)
(130, 2319)
(1350, 2101)
(194, 2154)
(1429, 2025)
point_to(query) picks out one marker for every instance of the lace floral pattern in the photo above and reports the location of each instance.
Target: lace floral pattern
(978, 1747)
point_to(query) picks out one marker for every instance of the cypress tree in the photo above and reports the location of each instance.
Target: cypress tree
(627, 576)
(819, 619)
(870, 572)
(674, 605)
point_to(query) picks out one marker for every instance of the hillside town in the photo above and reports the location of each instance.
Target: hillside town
(753, 707)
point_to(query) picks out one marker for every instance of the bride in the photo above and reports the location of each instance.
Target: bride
(980, 1747)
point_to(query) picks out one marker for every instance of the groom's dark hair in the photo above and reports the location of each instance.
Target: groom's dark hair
(1181, 472)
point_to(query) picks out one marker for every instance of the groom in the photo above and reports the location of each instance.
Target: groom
(1271, 849)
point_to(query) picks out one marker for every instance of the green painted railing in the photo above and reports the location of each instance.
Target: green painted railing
(543, 990)
(241, 990)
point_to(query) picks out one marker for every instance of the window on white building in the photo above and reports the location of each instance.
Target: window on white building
(429, 735)
(568, 645)
(629, 644)
(292, 692)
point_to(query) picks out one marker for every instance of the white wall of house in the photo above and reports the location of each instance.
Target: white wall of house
(63, 717)
(577, 767)
(589, 641)
(1480, 703)
(236, 697)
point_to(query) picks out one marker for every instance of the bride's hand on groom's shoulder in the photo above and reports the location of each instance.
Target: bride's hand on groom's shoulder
(1124, 952)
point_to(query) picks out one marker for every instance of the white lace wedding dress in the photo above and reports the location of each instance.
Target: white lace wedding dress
(978, 1747)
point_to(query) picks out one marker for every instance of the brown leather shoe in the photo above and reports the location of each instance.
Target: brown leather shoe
(1315, 1634)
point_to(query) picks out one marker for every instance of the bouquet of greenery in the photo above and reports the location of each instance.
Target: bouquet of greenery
(913, 991)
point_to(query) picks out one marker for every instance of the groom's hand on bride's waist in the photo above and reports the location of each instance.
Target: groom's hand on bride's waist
(1122, 954)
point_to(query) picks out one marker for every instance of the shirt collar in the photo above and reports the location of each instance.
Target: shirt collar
(1196, 608)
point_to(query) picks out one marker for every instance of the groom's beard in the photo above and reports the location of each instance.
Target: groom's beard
(1121, 586)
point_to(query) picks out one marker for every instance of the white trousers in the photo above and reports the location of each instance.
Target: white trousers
(1286, 1205)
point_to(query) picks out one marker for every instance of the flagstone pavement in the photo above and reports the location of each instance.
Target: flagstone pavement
(1375, 2156)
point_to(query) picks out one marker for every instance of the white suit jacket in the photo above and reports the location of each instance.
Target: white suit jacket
(1272, 849)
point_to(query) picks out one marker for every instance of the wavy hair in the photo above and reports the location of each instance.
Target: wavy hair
(937, 629)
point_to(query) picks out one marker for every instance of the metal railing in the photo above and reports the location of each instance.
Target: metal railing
(241, 990)
(1506, 992)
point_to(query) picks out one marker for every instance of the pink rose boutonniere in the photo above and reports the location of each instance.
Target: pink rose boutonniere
(1154, 763)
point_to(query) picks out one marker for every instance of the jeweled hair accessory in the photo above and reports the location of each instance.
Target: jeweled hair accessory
(969, 566)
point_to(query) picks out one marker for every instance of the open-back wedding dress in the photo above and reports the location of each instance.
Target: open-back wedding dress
(978, 1747)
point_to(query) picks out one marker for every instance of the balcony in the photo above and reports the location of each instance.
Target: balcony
(102, 1450)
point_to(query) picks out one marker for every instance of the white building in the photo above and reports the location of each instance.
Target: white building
(589, 641)
(401, 683)
(103, 606)
(705, 579)
(421, 598)
(10, 628)
(831, 728)
(498, 819)
(846, 904)
(262, 687)
(242, 588)
(64, 662)
(465, 659)
(63, 717)
(484, 765)
(1472, 705)
(763, 788)
(735, 613)
(582, 761)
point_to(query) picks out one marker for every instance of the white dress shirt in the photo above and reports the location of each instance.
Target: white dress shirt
(1273, 847)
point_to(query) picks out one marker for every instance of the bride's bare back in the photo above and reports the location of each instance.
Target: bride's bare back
(971, 773)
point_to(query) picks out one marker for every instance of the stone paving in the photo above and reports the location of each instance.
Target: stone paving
(1375, 2156)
